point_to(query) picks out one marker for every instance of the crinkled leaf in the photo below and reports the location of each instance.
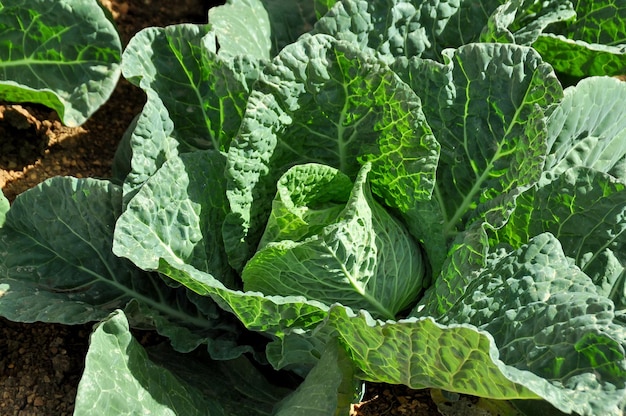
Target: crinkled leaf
(328, 389)
(146, 145)
(594, 43)
(177, 216)
(363, 257)
(465, 258)
(204, 92)
(522, 21)
(242, 27)
(321, 100)
(579, 58)
(396, 28)
(485, 108)
(119, 378)
(588, 127)
(64, 54)
(575, 349)
(586, 210)
(421, 353)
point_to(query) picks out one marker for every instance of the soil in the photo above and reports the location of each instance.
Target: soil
(41, 364)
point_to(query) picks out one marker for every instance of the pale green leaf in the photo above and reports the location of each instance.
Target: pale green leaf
(421, 353)
(396, 28)
(277, 315)
(522, 21)
(242, 27)
(177, 217)
(363, 257)
(588, 127)
(119, 378)
(485, 106)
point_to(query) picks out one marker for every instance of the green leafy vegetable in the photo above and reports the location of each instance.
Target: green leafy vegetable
(360, 256)
(347, 191)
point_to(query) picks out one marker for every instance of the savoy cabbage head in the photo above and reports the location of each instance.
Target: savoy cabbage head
(347, 191)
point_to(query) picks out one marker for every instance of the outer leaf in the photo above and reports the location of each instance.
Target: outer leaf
(579, 58)
(120, 379)
(485, 107)
(569, 338)
(56, 242)
(177, 217)
(421, 353)
(277, 315)
(56, 265)
(204, 93)
(328, 389)
(63, 54)
(586, 210)
(238, 385)
(363, 257)
(323, 101)
(242, 28)
(588, 127)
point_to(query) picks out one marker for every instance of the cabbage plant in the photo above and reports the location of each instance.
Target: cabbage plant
(319, 194)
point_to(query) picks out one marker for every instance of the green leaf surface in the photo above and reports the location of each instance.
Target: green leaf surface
(363, 257)
(119, 378)
(57, 265)
(323, 101)
(588, 127)
(396, 28)
(63, 54)
(575, 349)
(56, 243)
(594, 43)
(465, 258)
(328, 389)
(242, 27)
(522, 21)
(586, 210)
(203, 92)
(579, 58)
(485, 106)
(277, 315)
(421, 353)
(177, 217)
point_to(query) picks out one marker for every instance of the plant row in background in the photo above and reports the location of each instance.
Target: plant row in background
(333, 192)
